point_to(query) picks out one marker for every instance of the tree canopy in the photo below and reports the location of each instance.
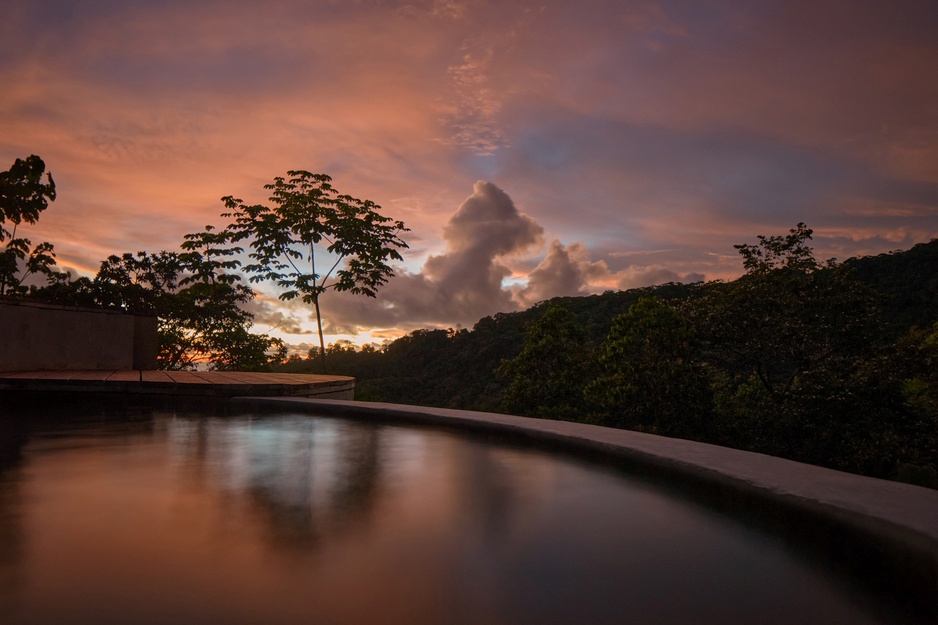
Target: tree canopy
(788, 318)
(23, 196)
(651, 377)
(546, 379)
(312, 239)
(196, 295)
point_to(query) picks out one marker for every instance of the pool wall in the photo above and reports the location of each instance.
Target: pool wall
(887, 529)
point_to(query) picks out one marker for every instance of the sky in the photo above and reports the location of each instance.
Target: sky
(533, 148)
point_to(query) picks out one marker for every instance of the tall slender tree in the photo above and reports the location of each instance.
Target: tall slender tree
(311, 239)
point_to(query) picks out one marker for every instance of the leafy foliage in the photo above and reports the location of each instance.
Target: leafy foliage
(198, 300)
(548, 377)
(313, 239)
(23, 196)
(906, 284)
(803, 368)
(651, 378)
(788, 318)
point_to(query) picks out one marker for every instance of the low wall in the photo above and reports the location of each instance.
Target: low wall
(38, 337)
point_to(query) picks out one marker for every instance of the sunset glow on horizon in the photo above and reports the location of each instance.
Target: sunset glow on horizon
(534, 149)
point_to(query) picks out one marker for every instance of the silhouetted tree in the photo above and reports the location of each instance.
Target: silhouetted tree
(312, 239)
(803, 370)
(788, 317)
(23, 196)
(195, 294)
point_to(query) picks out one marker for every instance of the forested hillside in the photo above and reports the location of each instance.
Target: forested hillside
(457, 368)
(829, 363)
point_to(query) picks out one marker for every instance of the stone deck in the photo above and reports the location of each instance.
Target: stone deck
(181, 383)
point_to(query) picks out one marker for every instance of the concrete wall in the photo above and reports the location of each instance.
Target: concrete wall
(35, 337)
(146, 345)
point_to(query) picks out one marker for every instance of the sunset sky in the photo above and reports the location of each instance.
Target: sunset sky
(534, 148)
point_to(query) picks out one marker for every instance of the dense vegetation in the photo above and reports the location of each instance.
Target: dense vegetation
(831, 363)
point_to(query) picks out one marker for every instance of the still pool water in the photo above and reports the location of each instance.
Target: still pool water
(169, 518)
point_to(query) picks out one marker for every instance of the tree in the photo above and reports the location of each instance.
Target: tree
(802, 366)
(194, 293)
(789, 252)
(313, 239)
(546, 379)
(788, 317)
(23, 196)
(652, 380)
(204, 317)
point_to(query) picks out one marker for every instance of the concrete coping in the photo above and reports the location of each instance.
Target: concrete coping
(875, 523)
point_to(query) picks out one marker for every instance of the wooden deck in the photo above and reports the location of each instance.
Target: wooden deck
(182, 383)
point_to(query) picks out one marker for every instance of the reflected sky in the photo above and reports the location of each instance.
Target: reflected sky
(297, 520)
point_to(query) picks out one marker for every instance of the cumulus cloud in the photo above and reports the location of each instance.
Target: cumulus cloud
(462, 284)
(467, 281)
(564, 271)
(489, 224)
(569, 270)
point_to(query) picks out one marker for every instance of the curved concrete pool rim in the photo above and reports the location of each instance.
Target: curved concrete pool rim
(896, 524)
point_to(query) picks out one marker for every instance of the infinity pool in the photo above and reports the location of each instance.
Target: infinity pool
(172, 518)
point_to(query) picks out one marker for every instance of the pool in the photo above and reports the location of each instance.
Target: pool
(165, 516)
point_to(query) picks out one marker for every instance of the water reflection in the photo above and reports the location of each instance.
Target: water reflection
(13, 437)
(305, 478)
(175, 518)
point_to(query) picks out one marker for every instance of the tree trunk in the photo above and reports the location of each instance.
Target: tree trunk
(322, 341)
